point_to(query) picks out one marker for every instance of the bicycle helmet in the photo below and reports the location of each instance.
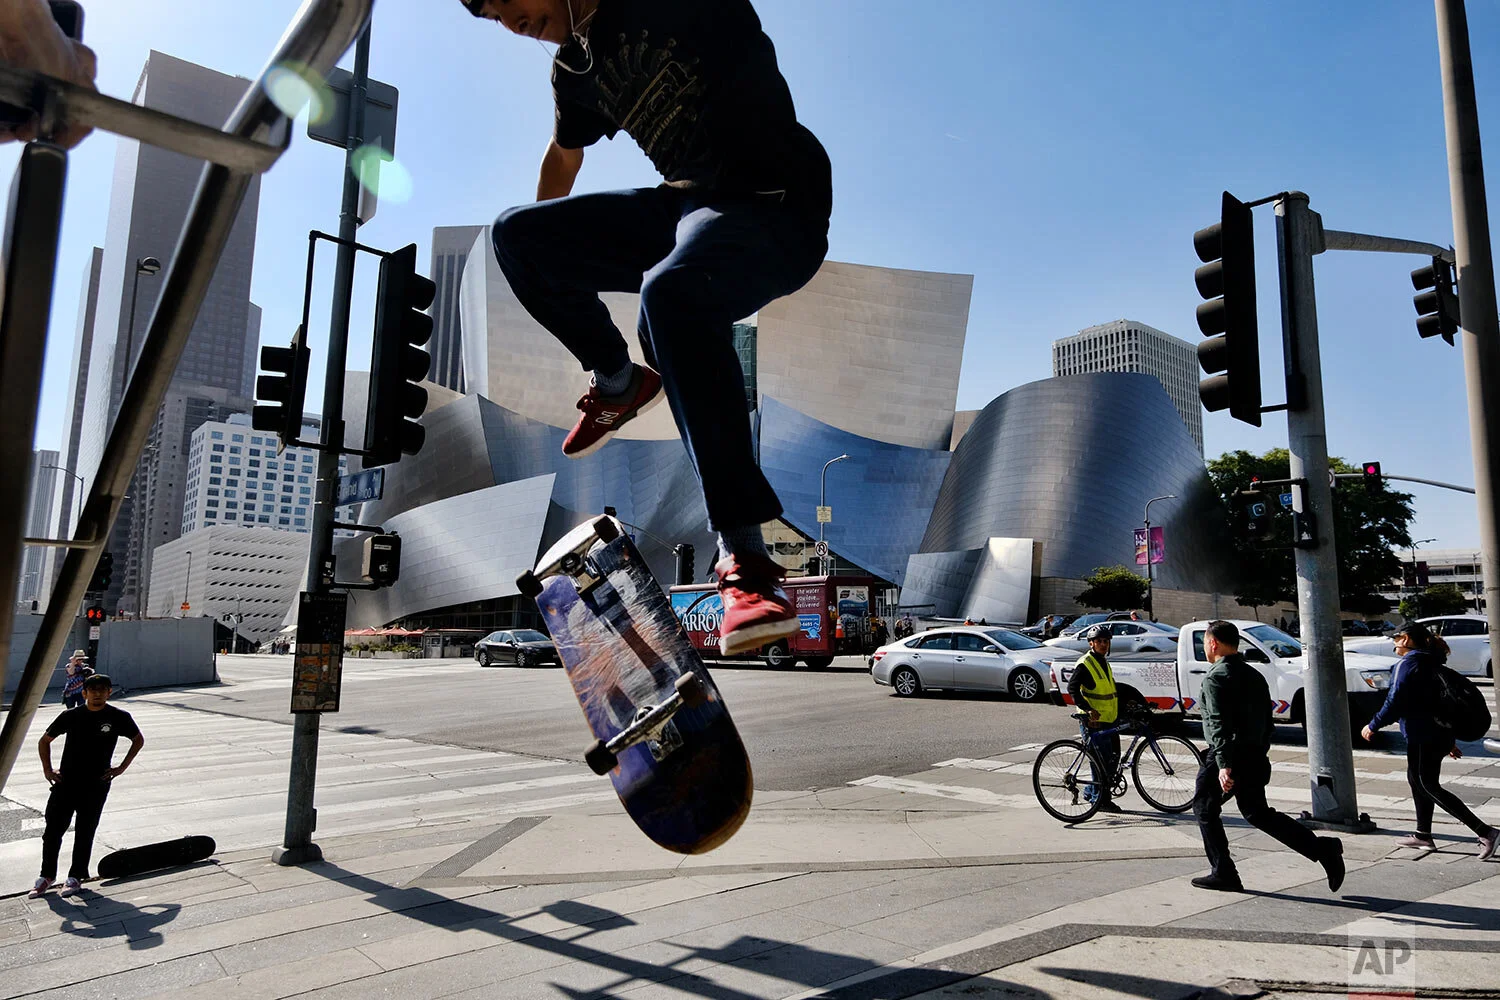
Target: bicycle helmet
(1098, 632)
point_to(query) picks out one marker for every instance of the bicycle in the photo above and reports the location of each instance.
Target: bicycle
(1066, 774)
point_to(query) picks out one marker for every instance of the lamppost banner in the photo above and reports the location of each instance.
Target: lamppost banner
(1158, 546)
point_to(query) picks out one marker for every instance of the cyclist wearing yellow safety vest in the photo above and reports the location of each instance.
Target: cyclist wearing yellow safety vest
(1092, 688)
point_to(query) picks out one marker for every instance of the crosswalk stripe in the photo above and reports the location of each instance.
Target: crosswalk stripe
(970, 764)
(961, 793)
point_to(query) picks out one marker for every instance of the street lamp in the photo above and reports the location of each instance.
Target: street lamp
(823, 502)
(143, 265)
(1146, 516)
(68, 526)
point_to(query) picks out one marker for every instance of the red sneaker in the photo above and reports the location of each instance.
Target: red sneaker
(604, 415)
(756, 608)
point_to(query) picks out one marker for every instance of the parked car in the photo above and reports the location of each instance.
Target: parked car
(1126, 637)
(963, 659)
(521, 647)
(1169, 684)
(1467, 636)
(1038, 630)
(1084, 621)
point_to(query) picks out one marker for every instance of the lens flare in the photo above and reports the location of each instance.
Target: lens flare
(293, 87)
(382, 174)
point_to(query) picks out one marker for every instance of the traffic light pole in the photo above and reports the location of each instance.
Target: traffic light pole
(1476, 289)
(1329, 748)
(297, 845)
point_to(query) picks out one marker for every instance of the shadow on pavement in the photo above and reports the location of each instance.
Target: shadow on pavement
(789, 961)
(136, 925)
(1437, 916)
(1119, 982)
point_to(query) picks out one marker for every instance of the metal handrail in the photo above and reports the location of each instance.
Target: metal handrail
(321, 32)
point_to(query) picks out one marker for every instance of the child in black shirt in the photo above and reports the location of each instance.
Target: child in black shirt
(82, 783)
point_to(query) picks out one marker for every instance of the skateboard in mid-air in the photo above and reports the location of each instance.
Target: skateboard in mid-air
(153, 857)
(662, 732)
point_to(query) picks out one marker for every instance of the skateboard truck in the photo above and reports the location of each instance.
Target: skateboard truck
(651, 723)
(574, 563)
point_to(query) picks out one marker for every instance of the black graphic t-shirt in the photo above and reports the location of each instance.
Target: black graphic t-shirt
(696, 85)
(90, 745)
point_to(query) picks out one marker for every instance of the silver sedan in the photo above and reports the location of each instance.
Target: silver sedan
(963, 659)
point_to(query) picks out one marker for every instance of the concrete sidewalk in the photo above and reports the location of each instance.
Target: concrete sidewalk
(456, 872)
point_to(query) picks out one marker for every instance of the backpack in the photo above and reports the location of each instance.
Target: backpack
(1458, 705)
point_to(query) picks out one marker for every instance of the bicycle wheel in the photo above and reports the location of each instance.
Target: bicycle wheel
(1064, 777)
(1165, 770)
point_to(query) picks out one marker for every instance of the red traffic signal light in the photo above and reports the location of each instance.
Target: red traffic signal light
(1373, 479)
(94, 615)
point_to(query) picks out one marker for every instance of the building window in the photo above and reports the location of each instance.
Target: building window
(285, 522)
(218, 447)
(287, 510)
(212, 503)
(234, 460)
(237, 437)
(286, 489)
(210, 515)
(255, 452)
(255, 463)
(249, 496)
(301, 479)
(304, 489)
(231, 505)
(264, 519)
(301, 522)
(233, 450)
(216, 435)
(212, 492)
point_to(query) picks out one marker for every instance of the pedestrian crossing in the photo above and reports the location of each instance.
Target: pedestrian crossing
(1003, 781)
(204, 773)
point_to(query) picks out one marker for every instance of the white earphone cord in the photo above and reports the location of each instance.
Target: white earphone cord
(580, 38)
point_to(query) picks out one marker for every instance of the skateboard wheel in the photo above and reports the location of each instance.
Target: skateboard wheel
(692, 689)
(529, 585)
(605, 529)
(599, 758)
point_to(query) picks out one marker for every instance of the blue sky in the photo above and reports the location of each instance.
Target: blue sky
(1062, 153)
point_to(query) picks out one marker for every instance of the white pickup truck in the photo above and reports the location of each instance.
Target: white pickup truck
(1170, 685)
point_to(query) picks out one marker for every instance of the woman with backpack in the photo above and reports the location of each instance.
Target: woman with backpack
(1413, 693)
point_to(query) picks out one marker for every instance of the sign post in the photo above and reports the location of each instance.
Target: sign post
(319, 661)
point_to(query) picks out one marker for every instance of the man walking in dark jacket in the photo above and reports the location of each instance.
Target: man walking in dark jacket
(1237, 725)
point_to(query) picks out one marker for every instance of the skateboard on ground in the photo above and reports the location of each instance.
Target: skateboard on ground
(152, 857)
(662, 732)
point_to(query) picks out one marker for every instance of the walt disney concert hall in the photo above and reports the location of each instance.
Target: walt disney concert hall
(972, 513)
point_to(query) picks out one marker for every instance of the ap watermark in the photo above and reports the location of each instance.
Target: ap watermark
(1382, 959)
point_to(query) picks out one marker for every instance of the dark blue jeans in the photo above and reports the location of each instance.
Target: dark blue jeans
(700, 261)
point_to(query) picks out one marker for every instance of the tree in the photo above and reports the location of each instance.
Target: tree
(1113, 588)
(1439, 599)
(1367, 524)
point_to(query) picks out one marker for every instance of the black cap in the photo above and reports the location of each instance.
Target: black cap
(1415, 631)
(98, 680)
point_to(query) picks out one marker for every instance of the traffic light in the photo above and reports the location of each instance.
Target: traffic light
(104, 571)
(1373, 480)
(1437, 307)
(286, 388)
(685, 567)
(382, 559)
(401, 328)
(94, 615)
(1231, 354)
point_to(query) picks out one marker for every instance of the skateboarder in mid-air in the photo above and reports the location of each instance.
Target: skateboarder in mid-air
(82, 784)
(741, 220)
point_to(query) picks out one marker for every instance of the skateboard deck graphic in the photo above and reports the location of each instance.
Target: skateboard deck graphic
(151, 857)
(663, 733)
